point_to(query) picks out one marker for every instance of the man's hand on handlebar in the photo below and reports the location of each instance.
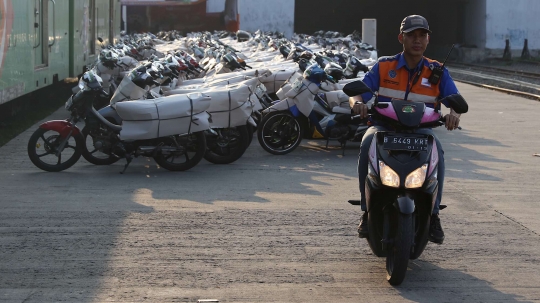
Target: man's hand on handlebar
(451, 122)
(361, 109)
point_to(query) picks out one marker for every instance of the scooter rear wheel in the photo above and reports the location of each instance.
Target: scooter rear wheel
(191, 149)
(397, 259)
(279, 133)
(92, 154)
(227, 146)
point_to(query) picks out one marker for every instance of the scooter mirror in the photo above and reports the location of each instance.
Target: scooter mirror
(458, 103)
(356, 88)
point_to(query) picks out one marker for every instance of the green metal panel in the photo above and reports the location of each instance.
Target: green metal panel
(66, 50)
(82, 29)
(17, 59)
(56, 45)
(19, 75)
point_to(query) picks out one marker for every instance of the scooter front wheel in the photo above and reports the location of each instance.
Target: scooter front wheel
(279, 133)
(398, 256)
(50, 152)
(181, 152)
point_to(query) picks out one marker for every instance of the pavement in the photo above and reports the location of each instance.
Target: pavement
(272, 228)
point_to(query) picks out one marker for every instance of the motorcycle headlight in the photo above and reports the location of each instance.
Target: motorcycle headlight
(417, 177)
(388, 176)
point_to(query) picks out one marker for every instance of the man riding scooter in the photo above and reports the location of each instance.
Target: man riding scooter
(407, 76)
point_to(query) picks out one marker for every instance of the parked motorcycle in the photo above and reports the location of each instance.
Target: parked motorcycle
(284, 124)
(401, 186)
(230, 109)
(170, 130)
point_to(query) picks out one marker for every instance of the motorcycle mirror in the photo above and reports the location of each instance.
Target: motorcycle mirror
(458, 103)
(100, 39)
(356, 88)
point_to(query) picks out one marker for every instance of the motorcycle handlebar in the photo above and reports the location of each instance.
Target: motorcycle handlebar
(440, 122)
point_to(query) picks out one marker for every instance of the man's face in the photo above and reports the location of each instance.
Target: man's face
(415, 42)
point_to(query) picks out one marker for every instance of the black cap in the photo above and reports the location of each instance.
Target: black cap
(413, 22)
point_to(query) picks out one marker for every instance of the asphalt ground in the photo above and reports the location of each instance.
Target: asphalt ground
(272, 228)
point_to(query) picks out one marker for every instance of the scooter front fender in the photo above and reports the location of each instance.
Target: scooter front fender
(404, 204)
(63, 127)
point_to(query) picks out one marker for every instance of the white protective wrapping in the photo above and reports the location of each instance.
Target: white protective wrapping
(205, 86)
(339, 99)
(127, 62)
(231, 106)
(287, 86)
(283, 90)
(154, 118)
(127, 90)
(302, 95)
(274, 81)
(200, 81)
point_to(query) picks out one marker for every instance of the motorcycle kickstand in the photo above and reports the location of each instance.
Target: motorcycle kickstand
(343, 148)
(327, 139)
(128, 159)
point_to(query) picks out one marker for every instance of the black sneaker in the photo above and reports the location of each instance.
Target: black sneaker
(436, 234)
(363, 227)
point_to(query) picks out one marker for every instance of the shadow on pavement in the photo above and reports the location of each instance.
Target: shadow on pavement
(466, 288)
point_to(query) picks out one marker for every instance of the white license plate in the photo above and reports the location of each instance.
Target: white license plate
(392, 142)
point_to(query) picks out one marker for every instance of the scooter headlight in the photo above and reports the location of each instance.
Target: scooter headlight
(388, 176)
(417, 177)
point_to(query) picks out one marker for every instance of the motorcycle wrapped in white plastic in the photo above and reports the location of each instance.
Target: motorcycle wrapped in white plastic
(170, 131)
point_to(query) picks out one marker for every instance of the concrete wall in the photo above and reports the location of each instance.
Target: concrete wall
(274, 15)
(514, 20)
(446, 19)
(475, 24)
(215, 6)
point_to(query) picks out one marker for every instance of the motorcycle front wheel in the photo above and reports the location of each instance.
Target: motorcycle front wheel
(181, 152)
(279, 133)
(44, 150)
(227, 146)
(398, 256)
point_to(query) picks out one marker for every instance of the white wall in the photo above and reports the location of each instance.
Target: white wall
(267, 15)
(515, 20)
(215, 6)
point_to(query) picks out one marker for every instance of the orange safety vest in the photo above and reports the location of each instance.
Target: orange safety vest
(397, 83)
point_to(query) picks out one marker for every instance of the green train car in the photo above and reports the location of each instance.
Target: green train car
(45, 41)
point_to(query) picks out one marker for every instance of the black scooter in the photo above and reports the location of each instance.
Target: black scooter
(401, 185)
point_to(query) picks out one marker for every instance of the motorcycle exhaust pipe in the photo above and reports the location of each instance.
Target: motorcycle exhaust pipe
(162, 149)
